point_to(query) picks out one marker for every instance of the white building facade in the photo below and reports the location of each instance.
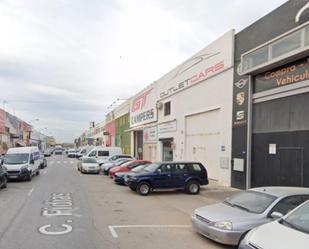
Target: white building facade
(194, 105)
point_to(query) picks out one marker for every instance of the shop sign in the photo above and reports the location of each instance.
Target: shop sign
(209, 62)
(150, 134)
(167, 127)
(289, 74)
(143, 108)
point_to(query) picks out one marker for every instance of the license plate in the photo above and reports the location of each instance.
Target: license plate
(14, 177)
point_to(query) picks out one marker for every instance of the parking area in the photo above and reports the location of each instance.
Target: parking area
(160, 220)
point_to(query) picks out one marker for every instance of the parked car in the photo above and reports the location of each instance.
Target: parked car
(72, 153)
(47, 152)
(115, 157)
(108, 166)
(88, 165)
(188, 176)
(22, 162)
(58, 152)
(229, 221)
(120, 177)
(3, 177)
(43, 161)
(83, 151)
(103, 153)
(290, 231)
(126, 167)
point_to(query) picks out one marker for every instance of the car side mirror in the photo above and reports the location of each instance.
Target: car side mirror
(159, 171)
(276, 215)
(31, 161)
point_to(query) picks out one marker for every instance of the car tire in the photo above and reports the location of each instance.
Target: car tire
(193, 187)
(5, 182)
(29, 177)
(143, 188)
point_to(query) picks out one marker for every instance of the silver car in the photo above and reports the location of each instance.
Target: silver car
(291, 231)
(229, 221)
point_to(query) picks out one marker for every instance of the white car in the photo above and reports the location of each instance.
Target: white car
(88, 165)
(291, 231)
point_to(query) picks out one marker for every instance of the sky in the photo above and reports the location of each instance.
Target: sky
(65, 62)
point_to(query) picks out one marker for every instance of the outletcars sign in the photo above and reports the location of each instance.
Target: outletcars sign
(210, 61)
(143, 108)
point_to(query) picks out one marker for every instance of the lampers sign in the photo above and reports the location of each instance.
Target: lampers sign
(143, 108)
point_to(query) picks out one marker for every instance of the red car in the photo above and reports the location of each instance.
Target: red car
(128, 166)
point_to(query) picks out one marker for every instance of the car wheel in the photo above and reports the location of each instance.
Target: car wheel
(29, 177)
(5, 182)
(193, 187)
(143, 188)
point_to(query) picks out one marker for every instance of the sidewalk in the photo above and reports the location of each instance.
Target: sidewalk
(217, 192)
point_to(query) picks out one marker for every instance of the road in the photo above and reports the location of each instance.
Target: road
(63, 209)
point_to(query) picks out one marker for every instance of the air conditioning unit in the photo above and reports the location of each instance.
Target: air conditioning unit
(159, 105)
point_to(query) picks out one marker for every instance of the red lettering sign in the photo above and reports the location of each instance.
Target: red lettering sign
(140, 101)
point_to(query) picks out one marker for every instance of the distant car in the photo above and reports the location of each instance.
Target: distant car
(108, 166)
(88, 165)
(72, 153)
(47, 153)
(120, 177)
(126, 167)
(291, 231)
(3, 177)
(58, 151)
(188, 176)
(229, 221)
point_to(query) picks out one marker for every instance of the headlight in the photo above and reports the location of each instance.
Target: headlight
(226, 225)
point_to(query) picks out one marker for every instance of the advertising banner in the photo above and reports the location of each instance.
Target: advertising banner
(143, 107)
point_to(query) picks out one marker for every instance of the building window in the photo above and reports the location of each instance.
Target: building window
(286, 45)
(282, 47)
(167, 108)
(255, 58)
(307, 36)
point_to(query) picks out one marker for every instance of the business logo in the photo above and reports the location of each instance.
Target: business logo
(240, 115)
(140, 101)
(193, 62)
(301, 11)
(241, 83)
(240, 98)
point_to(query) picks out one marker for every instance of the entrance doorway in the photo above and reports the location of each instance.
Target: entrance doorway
(167, 154)
(138, 145)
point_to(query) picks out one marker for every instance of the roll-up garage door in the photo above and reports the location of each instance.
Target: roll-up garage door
(203, 140)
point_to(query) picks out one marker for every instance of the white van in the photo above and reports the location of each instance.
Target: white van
(103, 153)
(22, 162)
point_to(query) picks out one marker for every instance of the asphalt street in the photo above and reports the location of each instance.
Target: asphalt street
(64, 209)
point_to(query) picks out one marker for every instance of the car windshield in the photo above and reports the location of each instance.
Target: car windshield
(251, 201)
(299, 219)
(20, 158)
(89, 160)
(152, 167)
(139, 168)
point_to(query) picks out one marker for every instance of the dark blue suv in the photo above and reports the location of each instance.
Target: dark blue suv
(169, 175)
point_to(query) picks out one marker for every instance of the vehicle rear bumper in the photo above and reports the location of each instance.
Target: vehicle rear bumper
(219, 235)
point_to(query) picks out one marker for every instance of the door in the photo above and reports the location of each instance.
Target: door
(163, 179)
(203, 139)
(179, 174)
(167, 150)
(291, 166)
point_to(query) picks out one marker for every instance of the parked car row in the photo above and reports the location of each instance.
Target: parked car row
(236, 221)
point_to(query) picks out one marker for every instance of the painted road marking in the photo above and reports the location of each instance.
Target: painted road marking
(115, 235)
(30, 191)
